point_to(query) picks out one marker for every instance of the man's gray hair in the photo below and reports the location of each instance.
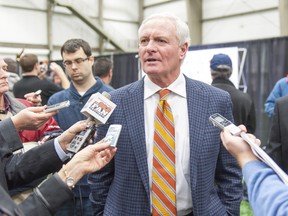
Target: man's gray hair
(182, 30)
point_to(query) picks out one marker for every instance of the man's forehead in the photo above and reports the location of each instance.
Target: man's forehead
(78, 53)
(157, 28)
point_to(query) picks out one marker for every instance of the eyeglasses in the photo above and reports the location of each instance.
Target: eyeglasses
(77, 62)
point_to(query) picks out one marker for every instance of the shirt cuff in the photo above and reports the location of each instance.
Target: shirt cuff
(62, 155)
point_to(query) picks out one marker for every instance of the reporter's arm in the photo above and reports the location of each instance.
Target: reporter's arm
(268, 195)
(53, 193)
(10, 135)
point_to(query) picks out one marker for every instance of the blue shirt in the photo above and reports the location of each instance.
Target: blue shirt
(280, 89)
(268, 195)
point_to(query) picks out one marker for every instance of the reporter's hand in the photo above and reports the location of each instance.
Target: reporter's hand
(238, 147)
(31, 118)
(90, 159)
(67, 136)
(33, 98)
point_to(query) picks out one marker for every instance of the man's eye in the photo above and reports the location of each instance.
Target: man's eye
(144, 42)
(68, 63)
(160, 41)
(78, 61)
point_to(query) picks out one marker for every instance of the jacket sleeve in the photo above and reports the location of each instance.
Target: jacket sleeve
(100, 181)
(268, 195)
(251, 119)
(9, 135)
(274, 147)
(35, 163)
(47, 198)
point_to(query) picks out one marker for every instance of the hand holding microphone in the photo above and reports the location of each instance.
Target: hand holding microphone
(98, 109)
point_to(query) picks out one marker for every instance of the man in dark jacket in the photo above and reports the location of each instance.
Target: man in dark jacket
(243, 106)
(277, 146)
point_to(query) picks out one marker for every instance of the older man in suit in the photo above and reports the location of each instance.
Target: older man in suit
(277, 146)
(208, 179)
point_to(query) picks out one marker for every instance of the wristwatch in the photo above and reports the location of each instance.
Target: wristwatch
(70, 181)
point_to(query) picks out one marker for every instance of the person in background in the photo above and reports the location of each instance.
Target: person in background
(13, 74)
(277, 147)
(243, 106)
(30, 81)
(208, 178)
(103, 68)
(78, 61)
(280, 89)
(10, 106)
(19, 169)
(268, 195)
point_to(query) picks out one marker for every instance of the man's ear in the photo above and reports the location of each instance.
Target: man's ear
(110, 73)
(183, 50)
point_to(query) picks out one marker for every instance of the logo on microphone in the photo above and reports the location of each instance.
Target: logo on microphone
(99, 107)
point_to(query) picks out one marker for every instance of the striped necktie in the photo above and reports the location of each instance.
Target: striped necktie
(164, 172)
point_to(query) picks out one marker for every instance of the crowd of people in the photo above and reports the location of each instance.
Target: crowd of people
(169, 160)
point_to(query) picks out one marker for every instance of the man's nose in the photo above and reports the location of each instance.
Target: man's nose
(151, 46)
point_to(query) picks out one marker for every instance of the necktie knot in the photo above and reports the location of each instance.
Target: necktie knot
(164, 93)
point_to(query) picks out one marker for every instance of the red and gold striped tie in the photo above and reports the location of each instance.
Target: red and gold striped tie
(164, 172)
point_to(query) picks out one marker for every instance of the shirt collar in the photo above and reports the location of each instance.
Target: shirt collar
(178, 87)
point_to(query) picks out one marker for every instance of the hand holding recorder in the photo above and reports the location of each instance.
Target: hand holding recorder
(98, 109)
(244, 154)
(34, 98)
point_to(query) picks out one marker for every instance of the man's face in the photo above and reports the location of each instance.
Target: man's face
(78, 66)
(4, 87)
(159, 49)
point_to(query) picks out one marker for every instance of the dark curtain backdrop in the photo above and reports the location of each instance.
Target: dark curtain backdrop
(125, 69)
(266, 62)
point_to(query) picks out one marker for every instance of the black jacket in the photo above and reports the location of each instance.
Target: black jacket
(243, 106)
(277, 146)
(19, 169)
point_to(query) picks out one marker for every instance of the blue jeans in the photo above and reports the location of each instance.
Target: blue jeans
(77, 207)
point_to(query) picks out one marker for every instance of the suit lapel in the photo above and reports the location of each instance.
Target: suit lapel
(134, 112)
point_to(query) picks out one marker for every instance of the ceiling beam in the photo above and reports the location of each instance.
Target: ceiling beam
(97, 28)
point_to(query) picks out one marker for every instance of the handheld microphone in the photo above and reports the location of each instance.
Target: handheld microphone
(98, 109)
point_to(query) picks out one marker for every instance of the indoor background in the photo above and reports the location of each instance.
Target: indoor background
(258, 27)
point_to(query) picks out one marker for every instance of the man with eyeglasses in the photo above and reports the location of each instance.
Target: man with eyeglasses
(78, 61)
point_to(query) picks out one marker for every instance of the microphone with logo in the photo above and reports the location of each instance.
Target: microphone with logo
(98, 109)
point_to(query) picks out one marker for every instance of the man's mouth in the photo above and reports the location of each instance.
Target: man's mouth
(151, 60)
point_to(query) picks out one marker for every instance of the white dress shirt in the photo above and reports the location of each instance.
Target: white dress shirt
(178, 103)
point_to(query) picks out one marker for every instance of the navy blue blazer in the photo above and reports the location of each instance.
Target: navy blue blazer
(122, 187)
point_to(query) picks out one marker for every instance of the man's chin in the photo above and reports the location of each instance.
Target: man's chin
(151, 72)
